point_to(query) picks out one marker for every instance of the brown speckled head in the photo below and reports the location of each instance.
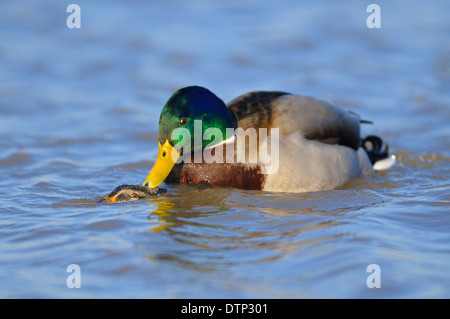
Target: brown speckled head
(124, 193)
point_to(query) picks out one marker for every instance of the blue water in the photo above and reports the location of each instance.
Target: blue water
(79, 113)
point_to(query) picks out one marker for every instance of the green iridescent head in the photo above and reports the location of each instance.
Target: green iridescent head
(185, 109)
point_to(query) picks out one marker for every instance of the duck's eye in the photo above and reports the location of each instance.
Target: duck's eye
(134, 195)
(183, 121)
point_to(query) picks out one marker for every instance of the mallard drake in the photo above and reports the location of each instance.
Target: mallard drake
(315, 145)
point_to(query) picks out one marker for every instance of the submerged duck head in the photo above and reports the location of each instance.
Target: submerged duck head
(124, 193)
(189, 113)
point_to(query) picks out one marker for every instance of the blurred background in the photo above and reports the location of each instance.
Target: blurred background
(79, 112)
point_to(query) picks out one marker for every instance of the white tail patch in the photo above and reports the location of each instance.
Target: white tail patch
(385, 164)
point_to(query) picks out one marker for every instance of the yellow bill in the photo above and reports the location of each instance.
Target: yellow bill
(110, 199)
(167, 157)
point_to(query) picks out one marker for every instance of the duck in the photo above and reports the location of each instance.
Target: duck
(296, 143)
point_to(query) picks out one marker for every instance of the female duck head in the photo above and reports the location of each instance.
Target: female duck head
(195, 109)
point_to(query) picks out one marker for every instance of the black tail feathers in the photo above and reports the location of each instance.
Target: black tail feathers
(375, 148)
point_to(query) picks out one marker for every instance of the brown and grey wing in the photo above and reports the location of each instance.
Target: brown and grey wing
(316, 120)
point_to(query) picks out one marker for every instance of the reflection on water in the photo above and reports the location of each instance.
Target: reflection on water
(226, 222)
(218, 222)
